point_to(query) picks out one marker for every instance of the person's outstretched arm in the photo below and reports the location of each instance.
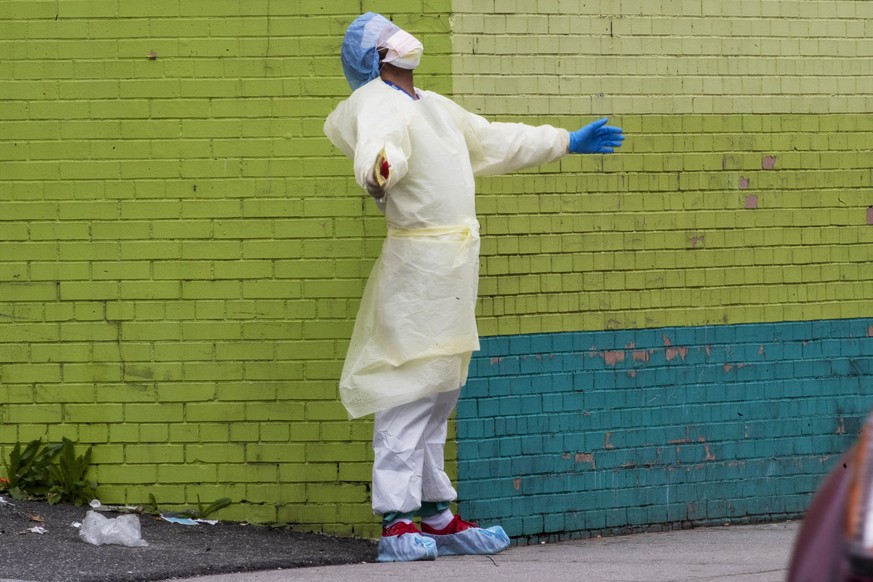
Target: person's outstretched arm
(501, 148)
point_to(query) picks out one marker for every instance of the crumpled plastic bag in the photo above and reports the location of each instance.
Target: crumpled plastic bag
(123, 530)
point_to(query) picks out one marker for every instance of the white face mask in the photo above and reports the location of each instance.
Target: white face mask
(404, 50)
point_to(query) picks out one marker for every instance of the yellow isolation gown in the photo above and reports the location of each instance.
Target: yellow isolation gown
(416, 327)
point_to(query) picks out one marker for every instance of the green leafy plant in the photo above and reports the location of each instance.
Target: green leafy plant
(27, 472)
(67, 477)
(200, 512)
(152, 505)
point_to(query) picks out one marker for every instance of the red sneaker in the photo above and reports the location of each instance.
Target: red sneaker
(456, 525)
(400, 528)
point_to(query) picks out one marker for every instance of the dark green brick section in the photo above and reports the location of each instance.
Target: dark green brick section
(566, 435)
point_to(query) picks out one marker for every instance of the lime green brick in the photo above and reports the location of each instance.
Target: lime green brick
(272, 371)
(108, 454)
(360, 472)
(15, 291)
(185, 433)
(127, 474)
(114, 351)
(30, 373)
(212, 309)
(272, 432)
(135, 331)
(275, 453)
(260, 514)
(303, 350)
(187, 473)
(324, 410)
(145, 413)
(125, 270)
(213, 411)
(210, 289)
(336, 431)
(154, 433)
(185, 351)
(195, 250)
(169, 497)
(29, 414)
(188, 391)
(211, 330)
(342, 493)
(113, 230)
(138, 454)
(320, 452)
(213, 372)
(285, 493)
(281, 411)
(243, 269)
(248, 391)
(149, 290)
(30, 432)
(253, 473)
(214, 433)
(308, 514)
(93, 433)
(66, 352)
(14, 232)
(298, 472)
(88, 290)
(14, 353)
(245, 432)
(263, 309)
(182, 269)
(104, 413)
(216, 453)
(247, 351)
(109, 372)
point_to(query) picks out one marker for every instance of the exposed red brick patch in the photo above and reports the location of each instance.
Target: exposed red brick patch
(586, 458)
(710, 456)
(613, 357)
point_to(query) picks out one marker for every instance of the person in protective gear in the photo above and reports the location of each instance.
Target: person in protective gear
(416, 153)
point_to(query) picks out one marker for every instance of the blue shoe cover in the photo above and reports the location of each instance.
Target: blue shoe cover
(408, 547)
(476, 541)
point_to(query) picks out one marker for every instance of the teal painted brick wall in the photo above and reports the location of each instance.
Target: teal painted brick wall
(565, 435)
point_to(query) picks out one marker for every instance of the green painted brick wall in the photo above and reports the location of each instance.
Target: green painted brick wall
(182, 250)
(741, 194)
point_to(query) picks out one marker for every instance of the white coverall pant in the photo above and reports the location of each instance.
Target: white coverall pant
(408, 447)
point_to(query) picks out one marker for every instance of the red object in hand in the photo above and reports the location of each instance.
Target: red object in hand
(383, 168)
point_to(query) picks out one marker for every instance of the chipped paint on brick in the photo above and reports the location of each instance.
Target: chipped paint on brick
(586, 458)
(613, 357)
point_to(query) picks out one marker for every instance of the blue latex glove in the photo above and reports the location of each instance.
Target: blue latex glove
(596, 138)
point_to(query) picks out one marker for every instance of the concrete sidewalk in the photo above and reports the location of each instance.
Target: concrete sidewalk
(750, 553)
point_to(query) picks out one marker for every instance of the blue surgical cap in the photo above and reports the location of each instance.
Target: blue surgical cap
(359, 54)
